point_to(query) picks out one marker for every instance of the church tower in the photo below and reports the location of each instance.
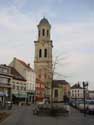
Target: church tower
(43, 55)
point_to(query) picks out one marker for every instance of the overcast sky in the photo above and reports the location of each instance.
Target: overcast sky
(72, 34)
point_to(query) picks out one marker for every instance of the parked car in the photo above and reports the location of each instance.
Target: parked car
(67, 107)
(90, 108)
(9, 104)
(72, 103)
(81, 106)
(44, 101)
(75, 103)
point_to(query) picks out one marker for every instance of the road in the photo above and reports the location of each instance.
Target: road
(23, 116)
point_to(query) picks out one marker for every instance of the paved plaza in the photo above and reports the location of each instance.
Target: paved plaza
(23, 115)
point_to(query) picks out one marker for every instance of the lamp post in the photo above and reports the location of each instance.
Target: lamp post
(51, 94)
(85, 84)
(75, 99)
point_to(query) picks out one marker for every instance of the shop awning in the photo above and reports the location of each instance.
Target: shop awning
(19, 95)
(3, 94)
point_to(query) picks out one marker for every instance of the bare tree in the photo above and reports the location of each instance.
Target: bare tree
(52, 73)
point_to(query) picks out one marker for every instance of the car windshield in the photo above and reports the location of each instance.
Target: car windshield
(91, 102)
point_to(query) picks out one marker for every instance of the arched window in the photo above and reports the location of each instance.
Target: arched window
(47, 32)
(39, 76)
(40, 53)
(45, 52)
(45, 76)
(39, 33)
(43, 32)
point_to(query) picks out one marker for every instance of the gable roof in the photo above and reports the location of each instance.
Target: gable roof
(17, 75)
(76, 86)
(56, 83)
(24, 64)
(2, 67)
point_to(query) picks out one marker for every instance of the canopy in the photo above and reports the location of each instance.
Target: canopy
(20, 95)
(3, 94)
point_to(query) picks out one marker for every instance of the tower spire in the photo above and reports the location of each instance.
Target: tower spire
(44, 29)
(43, 54)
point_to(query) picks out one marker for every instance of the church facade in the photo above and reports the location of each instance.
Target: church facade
(43, 55)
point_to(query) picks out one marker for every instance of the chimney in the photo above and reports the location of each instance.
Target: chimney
(14, 62)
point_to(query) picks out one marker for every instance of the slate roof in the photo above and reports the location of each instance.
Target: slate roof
(44, 21)
(13, 73)
(17, 75)
(56, 83)
(76, 86)
(4, 66)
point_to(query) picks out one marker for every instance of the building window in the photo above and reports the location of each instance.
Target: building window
(5, 70)
(24, 88)
(40, 76)
(17, 87)
(39, 33)
(13, 86)
(43, 32)
(56, 93)
(47, 32)
(40, 53)
(0, 69)
(75, 91)
(45, 52)
(3, 80)
(21, 87)
(45, 76)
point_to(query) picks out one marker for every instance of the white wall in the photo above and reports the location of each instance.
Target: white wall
(77, 93)
(27, 73)
(20, 84)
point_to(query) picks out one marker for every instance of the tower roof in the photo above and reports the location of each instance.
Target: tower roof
(44, 21)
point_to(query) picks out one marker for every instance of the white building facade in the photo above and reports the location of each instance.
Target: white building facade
(27, 72)
(76, 92)
(91, 94)
(5, 84)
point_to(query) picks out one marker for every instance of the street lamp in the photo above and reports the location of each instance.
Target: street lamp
(85, 84)
(75, 99)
